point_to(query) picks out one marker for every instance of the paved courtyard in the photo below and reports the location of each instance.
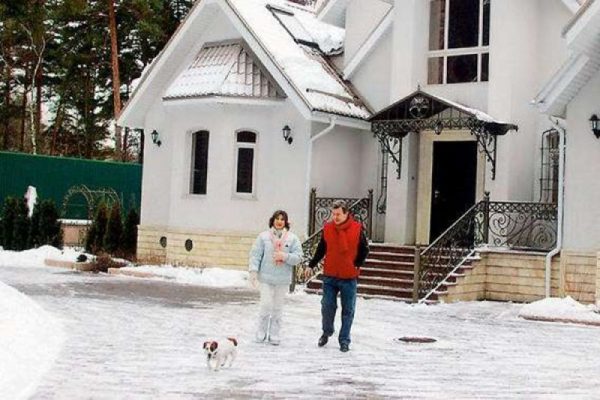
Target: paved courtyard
(129, 338)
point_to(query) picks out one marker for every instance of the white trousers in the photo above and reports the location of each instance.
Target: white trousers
(271, 309)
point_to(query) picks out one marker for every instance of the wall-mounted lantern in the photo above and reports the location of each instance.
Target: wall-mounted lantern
(155, 138)
(287, 134)
(595, 125)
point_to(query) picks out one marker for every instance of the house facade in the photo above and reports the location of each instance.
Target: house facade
(266, 104)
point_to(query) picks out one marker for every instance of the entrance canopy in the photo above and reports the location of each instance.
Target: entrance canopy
(423, 111)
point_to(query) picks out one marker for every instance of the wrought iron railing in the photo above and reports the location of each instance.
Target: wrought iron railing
(515, 225)
(360, 209)
(320, 211)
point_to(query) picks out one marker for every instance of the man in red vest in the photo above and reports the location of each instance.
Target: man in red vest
(345, 248)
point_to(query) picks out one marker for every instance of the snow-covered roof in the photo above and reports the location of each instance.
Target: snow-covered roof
(225, 69)
(305, 65)
(582, 34)
(297, 64)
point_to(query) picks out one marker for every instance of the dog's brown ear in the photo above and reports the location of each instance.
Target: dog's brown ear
(213, 346)
(205, 345)
(233, 340)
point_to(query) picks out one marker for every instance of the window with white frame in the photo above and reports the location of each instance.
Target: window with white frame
(245, 147)
(459, 39)
(199, 162)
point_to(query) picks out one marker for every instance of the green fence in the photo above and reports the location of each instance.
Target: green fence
(54, 176)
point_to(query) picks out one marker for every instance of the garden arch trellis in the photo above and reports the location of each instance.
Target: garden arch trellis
(93, 197)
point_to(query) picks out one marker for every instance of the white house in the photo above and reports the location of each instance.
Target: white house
(234, 77)
(573, 96)
(253, 103)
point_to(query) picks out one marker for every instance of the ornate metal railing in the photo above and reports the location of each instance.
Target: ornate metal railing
(360, 209)
(515, 225)
(320, 210)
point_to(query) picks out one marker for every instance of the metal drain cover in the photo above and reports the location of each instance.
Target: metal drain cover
(415, 339)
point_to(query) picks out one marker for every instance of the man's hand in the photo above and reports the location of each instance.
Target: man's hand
(253, 279)
(308, 273)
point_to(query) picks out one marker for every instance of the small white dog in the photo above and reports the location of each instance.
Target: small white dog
(218, 353)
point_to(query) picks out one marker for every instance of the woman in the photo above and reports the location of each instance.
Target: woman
(272, 260)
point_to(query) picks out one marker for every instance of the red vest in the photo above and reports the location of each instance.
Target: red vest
(342, 247)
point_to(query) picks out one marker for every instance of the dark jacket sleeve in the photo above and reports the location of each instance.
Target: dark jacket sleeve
(319, 254)
(363, 250)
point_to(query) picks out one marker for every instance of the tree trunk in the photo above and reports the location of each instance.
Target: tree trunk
(23, 117)
(116, 81)
(7, 77)
(38, 102)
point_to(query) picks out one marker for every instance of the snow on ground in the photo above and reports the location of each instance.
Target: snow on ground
(130, 338)
(30, 340)
(565, 309)
(214, 277)
(35, 257)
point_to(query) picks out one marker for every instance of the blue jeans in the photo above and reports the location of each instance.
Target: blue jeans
(347, 290)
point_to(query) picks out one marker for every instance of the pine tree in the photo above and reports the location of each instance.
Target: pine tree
(34, 228)
(114, 230)
(9, 214)
(50, 231)
(129, 240)
(95, 235)
(21, 226)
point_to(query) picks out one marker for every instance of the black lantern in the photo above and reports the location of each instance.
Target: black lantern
(595, 124)
(287, 134)
(155, 138)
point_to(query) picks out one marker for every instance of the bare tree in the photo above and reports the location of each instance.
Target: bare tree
(120, 146)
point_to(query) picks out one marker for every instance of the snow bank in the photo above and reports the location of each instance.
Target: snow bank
(214, 277)
(30, 340)
(35, 257)
(561, 310)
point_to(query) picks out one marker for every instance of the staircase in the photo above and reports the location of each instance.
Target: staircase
(388, 273)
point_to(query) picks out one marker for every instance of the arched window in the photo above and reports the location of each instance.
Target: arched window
(245, 155)
(199, 162)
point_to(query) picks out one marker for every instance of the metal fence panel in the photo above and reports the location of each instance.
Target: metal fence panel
(53, 176)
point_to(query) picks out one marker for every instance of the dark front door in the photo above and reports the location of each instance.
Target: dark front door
(453, 183)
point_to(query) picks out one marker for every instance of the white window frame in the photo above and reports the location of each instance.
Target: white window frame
(244, 145)
(478, 50)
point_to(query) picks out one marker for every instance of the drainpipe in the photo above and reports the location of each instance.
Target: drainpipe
(329, 128)
(561, 190)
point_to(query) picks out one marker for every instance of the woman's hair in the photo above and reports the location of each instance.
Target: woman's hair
(277, 214)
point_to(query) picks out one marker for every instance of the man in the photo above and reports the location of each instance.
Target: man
(345, 248)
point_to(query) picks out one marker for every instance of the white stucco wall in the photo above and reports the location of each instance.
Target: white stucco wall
(362, 17)
(372, 77)
(339, 161)
(521, 59)
(280, 167)
(582, 186)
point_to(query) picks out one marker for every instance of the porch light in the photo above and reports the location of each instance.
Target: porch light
(287, 134)
(155, 138)
(595, 125)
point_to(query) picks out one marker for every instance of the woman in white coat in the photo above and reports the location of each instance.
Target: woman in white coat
(272, 260)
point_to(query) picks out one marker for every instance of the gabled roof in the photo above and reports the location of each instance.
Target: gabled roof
(305, 66)
(582, 34)
(224, 69)
(300, 69)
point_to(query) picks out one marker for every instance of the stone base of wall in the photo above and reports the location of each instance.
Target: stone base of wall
(209, 249)
(520, 277)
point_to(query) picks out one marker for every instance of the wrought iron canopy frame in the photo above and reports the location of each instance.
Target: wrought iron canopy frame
(421, 111)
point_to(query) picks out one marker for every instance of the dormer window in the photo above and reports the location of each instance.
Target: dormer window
(459, 39)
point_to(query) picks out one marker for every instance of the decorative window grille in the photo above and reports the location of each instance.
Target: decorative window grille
(199, 162)
(245, 157)
(459, 39)
(549, 167)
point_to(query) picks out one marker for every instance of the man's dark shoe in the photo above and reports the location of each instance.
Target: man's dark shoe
(323, 340)
(344, 347)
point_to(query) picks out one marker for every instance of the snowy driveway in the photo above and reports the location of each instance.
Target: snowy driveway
(129, 338)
